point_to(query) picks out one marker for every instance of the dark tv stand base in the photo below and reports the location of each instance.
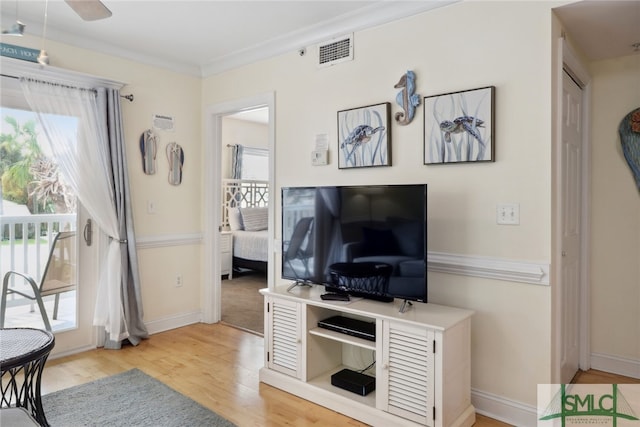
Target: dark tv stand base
(298, 283)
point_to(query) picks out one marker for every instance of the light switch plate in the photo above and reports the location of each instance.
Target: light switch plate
(508, 214)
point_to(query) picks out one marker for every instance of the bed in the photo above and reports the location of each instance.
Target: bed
(245, 214)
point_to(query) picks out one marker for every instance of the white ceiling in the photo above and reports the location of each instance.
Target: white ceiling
(207, 37)
(603, 29)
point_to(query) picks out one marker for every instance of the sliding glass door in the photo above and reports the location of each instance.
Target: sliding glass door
(36, 206)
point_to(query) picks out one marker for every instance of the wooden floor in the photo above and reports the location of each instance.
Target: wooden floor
(217, 366)
(242, 304)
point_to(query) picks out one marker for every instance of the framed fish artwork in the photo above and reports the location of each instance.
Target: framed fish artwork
(364, 138)
(459, 127)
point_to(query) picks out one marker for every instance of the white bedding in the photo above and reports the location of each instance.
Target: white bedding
(252, 245)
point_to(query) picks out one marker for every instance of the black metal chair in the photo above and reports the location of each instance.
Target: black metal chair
(59, 276)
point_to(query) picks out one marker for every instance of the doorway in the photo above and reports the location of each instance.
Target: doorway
(214, 115)
(245, 180)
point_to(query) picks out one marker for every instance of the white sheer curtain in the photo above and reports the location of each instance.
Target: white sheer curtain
(85, 164)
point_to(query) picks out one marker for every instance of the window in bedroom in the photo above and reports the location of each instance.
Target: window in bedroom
(255, 163)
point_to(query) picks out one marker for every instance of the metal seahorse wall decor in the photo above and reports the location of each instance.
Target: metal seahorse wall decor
(407, 99)
(629, 131)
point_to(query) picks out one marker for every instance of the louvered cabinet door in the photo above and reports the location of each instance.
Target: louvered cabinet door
(406, 378)
(285, 342)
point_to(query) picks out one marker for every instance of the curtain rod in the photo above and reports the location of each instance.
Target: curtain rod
(128, 97)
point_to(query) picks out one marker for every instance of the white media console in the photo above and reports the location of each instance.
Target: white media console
(422, 358)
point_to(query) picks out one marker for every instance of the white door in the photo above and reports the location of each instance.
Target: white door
(74, 327)
(406, 376)
(571, 225)
(83, 335)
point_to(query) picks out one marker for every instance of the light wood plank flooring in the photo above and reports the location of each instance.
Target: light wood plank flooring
(215, 365)
(242, 304)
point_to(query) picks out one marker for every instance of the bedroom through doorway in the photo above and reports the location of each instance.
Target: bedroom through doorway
(245, 197)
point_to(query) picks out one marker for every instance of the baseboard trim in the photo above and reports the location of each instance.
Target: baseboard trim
(502, 409)
(492, 268)
(616, 365)
(173, 322)
(54, 356)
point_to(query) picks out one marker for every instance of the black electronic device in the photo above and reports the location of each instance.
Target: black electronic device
(367, 224)
(354, 381)
(335, 297)
(347, 325)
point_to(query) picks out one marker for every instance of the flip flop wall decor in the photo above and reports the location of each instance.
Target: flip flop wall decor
(148, 150)
(175, 156)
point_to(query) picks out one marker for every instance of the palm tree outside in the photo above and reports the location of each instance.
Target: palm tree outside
(30, 177)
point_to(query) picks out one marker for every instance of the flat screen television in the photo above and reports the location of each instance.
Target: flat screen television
(364, 240)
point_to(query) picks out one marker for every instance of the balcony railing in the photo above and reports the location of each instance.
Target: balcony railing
(26, 241)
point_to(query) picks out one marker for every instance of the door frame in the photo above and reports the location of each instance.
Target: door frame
(568, 61)
(212, 188)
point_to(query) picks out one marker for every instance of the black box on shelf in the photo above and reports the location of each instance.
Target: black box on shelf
(354, 382)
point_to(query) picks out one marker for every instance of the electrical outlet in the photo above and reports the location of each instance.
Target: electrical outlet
(178, 280)
(508, 214)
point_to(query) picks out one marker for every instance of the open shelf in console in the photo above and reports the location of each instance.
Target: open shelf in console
(343, 338)
(330, 351)
(323, 381)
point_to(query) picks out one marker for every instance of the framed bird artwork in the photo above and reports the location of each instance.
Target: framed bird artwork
(364, 139)
(459, 127)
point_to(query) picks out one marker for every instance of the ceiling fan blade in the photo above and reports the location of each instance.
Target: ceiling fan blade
(89, 10)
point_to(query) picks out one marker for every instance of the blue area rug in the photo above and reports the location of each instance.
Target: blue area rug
(130, 399)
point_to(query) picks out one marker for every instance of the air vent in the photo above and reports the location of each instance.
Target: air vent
(335, 51)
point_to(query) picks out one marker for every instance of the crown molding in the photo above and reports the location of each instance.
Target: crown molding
(368, 17)
(379, 13)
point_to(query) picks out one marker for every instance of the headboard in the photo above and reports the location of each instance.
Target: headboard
(243, 193)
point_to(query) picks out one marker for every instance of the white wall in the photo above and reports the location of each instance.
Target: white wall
(615, 210)
(463, 46)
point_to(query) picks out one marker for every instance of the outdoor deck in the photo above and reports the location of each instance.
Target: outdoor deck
(24, 247)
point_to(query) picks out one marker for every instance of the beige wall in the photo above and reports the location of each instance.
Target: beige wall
(615, 214)
(511, 328)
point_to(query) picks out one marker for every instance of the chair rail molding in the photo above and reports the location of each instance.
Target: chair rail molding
(161, 241)
(535, 273)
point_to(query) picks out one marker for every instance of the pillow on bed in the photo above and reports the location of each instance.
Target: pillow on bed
(235, 219)
(255, 219)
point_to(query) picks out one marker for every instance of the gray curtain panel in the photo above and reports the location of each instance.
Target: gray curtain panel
(236, 161)
(131, 295)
